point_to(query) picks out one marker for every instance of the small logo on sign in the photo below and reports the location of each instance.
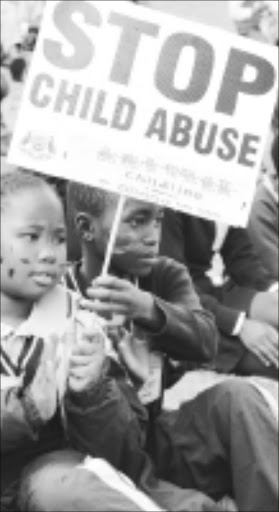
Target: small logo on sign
(39, 146)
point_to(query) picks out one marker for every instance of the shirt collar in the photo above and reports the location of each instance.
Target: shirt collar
(49, 315)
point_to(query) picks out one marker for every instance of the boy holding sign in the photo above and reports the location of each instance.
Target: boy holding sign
(154, 293)
(187, 445)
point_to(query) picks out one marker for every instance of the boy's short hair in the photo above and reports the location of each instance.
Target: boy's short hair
(83, 198)
(14, 179)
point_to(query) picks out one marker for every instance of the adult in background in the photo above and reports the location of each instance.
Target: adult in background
(245, 303)
(263, 223)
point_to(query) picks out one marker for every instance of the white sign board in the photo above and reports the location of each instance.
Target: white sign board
(148, 105)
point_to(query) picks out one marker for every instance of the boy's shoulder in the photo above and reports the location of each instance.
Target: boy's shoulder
(167, 273)
(164, 264)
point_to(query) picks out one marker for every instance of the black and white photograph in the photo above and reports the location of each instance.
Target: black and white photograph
(139, 256)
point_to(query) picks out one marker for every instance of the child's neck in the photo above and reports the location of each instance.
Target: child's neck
(14, 311)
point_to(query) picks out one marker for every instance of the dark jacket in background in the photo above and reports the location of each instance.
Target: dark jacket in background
(264, 230)
(190, 240)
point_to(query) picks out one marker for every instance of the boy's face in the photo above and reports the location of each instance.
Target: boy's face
(33, 243)
(137, 243)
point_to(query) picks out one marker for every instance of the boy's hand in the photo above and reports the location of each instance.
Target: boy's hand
(87, 362)
(262, 340)
(118, 296)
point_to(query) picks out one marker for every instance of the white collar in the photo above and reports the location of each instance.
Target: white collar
(49, 315)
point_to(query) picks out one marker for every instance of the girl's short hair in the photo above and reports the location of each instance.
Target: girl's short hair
(15, 179)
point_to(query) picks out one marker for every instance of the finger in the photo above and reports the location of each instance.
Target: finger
(271, 354)
(111, 282)
(117, 321)
(94, 304)
(273, 337)
(270, 345)
(262, 357)
(107, 295)
(110, 307)
(272, 359)
(86, 304)
(271, 348)
(99, 293)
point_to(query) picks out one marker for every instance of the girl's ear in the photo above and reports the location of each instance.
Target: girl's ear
(85, 226)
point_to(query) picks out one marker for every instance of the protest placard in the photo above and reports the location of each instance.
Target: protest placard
(149, 106)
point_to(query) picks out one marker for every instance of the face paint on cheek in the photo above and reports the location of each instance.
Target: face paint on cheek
(123, 243)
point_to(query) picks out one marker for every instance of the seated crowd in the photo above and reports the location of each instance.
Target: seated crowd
(87, 356)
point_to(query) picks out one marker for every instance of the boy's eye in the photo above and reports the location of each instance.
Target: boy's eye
(138, 221)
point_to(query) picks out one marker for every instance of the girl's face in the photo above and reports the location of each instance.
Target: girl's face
(33, 243)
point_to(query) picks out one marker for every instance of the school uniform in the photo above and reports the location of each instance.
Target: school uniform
(190, 240)
(204, 445)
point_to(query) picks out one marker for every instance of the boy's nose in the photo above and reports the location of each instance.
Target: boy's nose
(152, 238)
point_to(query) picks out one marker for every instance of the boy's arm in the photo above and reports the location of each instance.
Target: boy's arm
(171, 313)
(227, 315)
(263, 231)
(188, 331)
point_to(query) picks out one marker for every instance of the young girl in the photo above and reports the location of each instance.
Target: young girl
(47, 369)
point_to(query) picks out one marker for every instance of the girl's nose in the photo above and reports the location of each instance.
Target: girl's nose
(48, 254)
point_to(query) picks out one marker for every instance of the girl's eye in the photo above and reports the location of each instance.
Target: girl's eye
(61, 239)
(31, 237)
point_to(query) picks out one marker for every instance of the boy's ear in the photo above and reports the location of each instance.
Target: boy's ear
(85, 226)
